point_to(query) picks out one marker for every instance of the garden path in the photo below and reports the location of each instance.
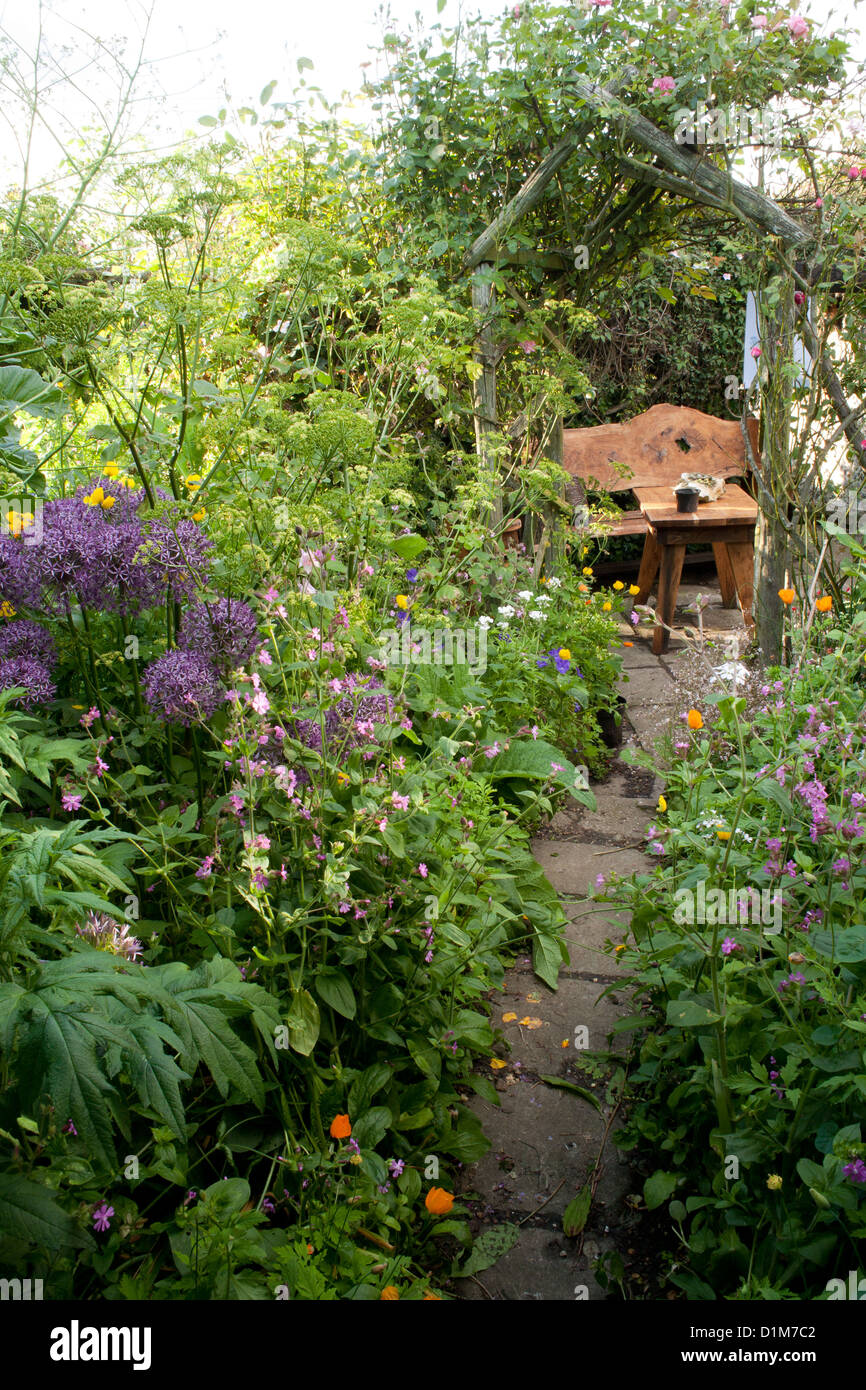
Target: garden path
(546, 1141)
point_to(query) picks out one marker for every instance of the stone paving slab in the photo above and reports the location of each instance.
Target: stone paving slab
(572, 868)
(543, 1267)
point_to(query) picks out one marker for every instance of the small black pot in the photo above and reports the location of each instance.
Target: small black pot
(687, 498)
(610, 723)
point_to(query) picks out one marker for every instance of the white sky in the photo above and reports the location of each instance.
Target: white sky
(201, 49)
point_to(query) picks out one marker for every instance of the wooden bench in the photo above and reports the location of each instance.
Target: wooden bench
(647, 456)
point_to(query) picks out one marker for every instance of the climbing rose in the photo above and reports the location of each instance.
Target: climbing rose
(798, 27)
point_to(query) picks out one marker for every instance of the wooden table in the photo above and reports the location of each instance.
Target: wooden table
(727, 524)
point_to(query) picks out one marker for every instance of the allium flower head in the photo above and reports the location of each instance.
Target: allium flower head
(33, 676)
(105, 934)
(182, 686)
(225, 633)
(25, 638)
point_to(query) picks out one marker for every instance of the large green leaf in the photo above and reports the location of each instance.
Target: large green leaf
(29, 1212)
(490, 1246)
(537, 760)
(304, 1022)
(23, 389)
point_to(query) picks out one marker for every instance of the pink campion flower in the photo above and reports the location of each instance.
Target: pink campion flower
(99, 767)
(493, 750)
(529, 346)
(400, 763)
(271, 595)
(798, 27)
(423, 870)
(663, 84)
(283, 873)
(87, 719)
(264, 657)
(729, 945)
(259, 702)
(237, 803)
(556, 767)
(335, 686)
(101, 1217)
(383, 823)
(205, 868)
(401, 802)
(262, 842)
(818, 203)
(534, 731)
(71, 801)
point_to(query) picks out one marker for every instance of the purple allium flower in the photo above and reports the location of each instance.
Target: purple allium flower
(181, 686)
(27, 639)
(101, 1217)
(32, 676)
(105, 934)
(225, 632)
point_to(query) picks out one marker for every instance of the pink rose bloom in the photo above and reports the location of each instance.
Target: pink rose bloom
(798, 27)
(818, 203)
(853, 172)
(759, 21)
(756, 352)
(663, 84)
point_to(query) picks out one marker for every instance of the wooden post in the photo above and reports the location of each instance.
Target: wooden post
(484, 389)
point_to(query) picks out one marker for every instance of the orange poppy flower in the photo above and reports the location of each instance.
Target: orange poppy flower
(824, 603)
(340, 1127)
(438, 1202)
(695, 719)
(628, 644)
(787, 595)
(389, 1294)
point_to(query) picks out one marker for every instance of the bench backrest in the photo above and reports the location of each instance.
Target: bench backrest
(649, 447)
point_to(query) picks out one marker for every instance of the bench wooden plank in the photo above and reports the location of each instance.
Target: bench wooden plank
(647, 447)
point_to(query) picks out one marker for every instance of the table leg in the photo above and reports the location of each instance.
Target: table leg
(670, 569)
(649, 567)
(727, 583)
(742, 561)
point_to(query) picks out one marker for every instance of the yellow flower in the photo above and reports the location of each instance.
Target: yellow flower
(199, 515)
(774, 1182)
(15, 522)
(107, 503)
(96, 498)
(633, 589)
(695, 719)
(564, 654)
(509, 1018)
(724, 834)
(193, 481)
(6, 609)
(355, 1160)
(663, 805)
(565, 1042)
(607, 606)
(824, 603)
(389, 1294)
(111, 470)
(620, 947)
(587, 570)
(497, 1064)
(619, 585)
(126, 481)
(402, 602)
(342, 778)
